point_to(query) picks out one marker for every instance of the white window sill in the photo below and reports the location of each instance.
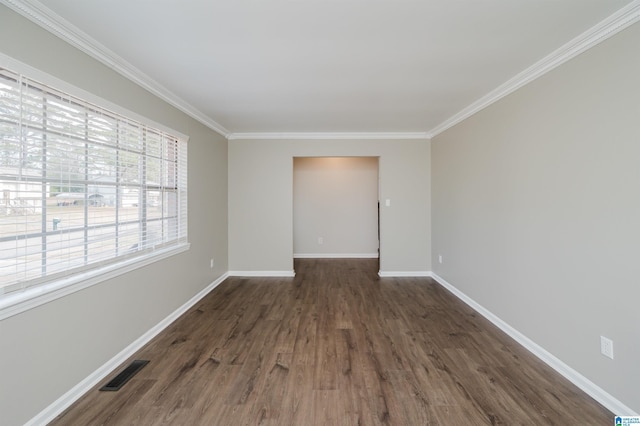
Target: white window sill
(20, 301)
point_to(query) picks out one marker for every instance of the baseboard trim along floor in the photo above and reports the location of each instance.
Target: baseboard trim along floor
(392, 274)
(590, 388)
(65, 401)
(335, 255)
(262, 274)
(593, 390)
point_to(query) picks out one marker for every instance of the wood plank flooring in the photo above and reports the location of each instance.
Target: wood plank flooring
(336, 345)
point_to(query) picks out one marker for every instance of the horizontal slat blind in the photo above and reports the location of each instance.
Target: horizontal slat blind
(81, 186)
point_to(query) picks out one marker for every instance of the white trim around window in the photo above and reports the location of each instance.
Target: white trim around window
(17, 302)
(89, 190)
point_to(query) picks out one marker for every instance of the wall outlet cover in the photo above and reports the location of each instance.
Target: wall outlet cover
(606, 347)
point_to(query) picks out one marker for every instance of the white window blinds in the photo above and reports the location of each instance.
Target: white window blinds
(80, 186)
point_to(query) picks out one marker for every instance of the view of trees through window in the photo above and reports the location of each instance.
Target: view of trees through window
(80, 186)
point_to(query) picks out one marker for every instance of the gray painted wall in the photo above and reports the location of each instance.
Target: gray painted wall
(536, 211)
(261, 200)
(46, 351)
(335, 198)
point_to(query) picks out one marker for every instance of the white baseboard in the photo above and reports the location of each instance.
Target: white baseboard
(389, 274)
(62, 403)
(593, 390)
(262, 273)
(335, 255)
(590, 388)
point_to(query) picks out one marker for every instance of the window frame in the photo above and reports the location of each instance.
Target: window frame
(55, 286)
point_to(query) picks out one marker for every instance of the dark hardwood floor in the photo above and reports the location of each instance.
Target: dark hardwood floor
(336, 345)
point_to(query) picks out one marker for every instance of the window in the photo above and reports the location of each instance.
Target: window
(81, 187)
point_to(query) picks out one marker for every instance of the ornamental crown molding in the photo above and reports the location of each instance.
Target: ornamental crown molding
(47, 19)
(329, 135)
(623, 18)
(41, 15)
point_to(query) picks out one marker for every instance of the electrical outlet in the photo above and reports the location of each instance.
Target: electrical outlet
(439, 258)
(320, 240)
(606, 347)
(212, 263)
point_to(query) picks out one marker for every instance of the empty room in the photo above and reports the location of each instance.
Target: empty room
(310, 212)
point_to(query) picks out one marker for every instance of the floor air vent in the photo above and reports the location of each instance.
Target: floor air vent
(117, 382)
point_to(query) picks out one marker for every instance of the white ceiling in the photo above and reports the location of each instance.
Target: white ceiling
(332, 66)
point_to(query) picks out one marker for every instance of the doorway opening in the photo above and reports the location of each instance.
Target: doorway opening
(335, 207)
